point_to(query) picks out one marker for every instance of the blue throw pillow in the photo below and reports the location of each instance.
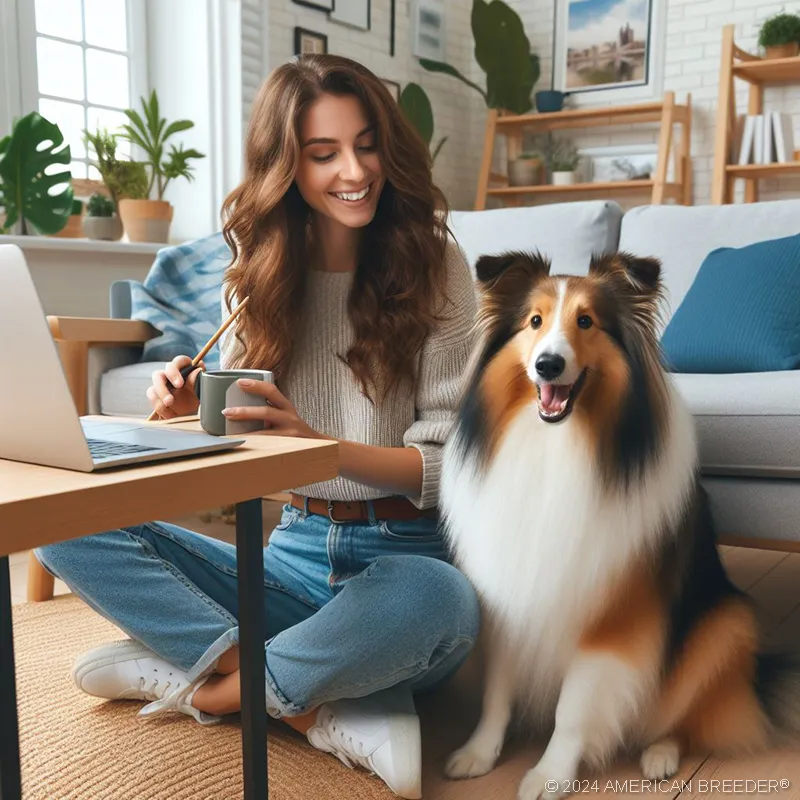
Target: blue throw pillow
(741, 314)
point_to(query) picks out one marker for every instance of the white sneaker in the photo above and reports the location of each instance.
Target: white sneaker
(128, 670)
(379, 733)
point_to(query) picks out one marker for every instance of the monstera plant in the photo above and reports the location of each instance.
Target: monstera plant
(417, 109)
(34, 145)
(503, 52)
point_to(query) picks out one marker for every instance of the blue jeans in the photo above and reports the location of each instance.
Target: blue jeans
(351, 608)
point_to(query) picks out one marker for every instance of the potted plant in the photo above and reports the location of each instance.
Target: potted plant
(503, 51)
(780, 36)
(524, 169)
(29, 205)
(416, 107)
(74, 228)
(564, 160)
(144, 219)
(101, 222)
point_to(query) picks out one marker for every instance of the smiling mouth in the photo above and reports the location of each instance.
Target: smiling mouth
(353, 197)
(556, 400)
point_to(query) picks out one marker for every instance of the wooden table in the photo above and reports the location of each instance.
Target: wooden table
(42, 505)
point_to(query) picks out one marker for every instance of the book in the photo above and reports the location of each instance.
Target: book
(746, 151)
(784, 137)
(768, 151)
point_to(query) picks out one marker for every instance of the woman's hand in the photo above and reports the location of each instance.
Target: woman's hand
(179, 401)
(280, 417)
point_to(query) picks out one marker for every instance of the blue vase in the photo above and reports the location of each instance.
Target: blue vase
(549, 101)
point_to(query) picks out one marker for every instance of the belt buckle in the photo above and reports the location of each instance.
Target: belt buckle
(331, 517)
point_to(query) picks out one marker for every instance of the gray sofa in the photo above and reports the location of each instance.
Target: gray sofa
(748, 424)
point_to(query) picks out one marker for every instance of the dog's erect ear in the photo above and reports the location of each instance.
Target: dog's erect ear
(511, 266)
(643, 274)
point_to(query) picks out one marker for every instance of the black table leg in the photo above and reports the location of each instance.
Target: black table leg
(252, 635)
(10, 781)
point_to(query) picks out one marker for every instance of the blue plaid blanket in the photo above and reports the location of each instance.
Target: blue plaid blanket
(181, 297)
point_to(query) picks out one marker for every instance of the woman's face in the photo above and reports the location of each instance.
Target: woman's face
(340, 173)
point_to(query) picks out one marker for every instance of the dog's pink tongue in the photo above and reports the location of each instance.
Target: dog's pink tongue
(553, 397)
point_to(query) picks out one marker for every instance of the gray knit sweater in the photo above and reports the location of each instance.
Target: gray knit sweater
(328, 397)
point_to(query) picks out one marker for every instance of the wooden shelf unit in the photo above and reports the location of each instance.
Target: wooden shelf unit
(758, 73)
(666, 112)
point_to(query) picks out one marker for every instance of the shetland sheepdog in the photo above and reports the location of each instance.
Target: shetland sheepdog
(571, 499)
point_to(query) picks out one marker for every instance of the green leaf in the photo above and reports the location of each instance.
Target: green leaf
(440, 66)
(504, 53)
(26, 178)
(177, 127)
(416, 106)
(133, 135)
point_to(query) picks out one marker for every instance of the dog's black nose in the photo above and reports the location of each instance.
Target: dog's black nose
(550, 365)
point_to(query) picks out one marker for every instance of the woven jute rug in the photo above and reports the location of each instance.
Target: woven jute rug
(76, 747)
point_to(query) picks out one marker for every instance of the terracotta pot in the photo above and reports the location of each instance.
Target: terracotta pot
(524, 171)
(107, 229)
(146, 220)
(782, 50)
(73, 229)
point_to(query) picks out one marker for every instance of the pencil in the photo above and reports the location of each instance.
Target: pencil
(186, 371)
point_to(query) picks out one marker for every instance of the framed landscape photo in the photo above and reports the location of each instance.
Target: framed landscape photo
(609, 50)
(309, 42)
(353, 13)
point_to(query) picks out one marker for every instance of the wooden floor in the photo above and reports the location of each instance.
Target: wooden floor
(773, 580)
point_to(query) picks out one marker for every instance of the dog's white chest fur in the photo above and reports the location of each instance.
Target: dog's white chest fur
(542, 539)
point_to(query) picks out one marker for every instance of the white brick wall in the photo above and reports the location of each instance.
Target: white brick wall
(693, 49)
(454, 105)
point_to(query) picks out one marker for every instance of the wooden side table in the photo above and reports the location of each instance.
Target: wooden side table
(42, 505)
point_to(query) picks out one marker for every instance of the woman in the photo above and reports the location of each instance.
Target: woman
(363, 311)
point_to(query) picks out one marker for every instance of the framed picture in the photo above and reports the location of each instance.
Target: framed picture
(309, 42)
(393, 87)
(319, 5)
(609, 50)
(428, 29)
(620, 163)
(353, 13)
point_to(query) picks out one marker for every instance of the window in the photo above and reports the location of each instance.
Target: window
(84, 68)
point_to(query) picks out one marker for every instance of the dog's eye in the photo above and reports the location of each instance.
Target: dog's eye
(536, 322)
(585, 321)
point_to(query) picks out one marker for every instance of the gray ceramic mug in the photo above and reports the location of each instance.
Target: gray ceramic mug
(217, 389)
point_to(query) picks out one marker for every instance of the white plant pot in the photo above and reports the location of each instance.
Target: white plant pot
(563, 178)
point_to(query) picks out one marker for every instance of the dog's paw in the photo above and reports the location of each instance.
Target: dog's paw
(469, 762)
(661, 759)
(537, 785)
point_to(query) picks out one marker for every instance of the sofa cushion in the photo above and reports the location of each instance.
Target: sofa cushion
(122, 390)
(747, 424)
(682, 236)
(567, 233)
(742, 313)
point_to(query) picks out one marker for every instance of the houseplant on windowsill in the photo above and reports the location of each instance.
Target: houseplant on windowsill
(780, 36)
(563, 161)
(28, 204)
(101, 222)
(74, 227)
(144, 219)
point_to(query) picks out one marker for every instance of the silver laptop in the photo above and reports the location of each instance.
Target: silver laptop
(39, 423)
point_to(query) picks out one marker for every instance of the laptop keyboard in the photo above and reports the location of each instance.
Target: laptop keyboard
(100, 448)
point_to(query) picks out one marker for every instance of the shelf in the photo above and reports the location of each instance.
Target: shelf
(584, 117)
(762, 170)
(772, 70)
(608, 186)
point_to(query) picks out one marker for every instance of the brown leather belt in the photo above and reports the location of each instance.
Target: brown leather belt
(358, 510)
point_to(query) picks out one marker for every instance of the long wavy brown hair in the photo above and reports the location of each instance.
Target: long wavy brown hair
(401, 269)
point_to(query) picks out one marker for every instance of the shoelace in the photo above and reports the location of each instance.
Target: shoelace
(152, 688)
(350, 753)
(168, 702)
